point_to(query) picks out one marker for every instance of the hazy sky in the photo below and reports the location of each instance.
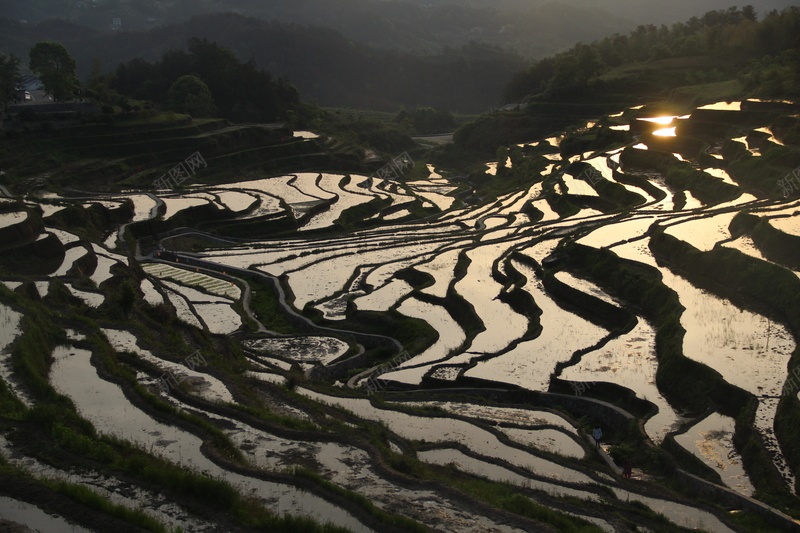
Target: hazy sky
(657, 11)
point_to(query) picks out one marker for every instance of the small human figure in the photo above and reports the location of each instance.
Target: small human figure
(597, 434)
(627, 469)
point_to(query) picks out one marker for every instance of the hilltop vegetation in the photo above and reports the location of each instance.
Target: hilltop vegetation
(724, 54)
(388, 55)
(240, 91)
(715, 47)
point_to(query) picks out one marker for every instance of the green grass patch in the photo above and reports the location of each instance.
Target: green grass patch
(498, 495)
(709, 92)
(385, 518)
(265, 415)
(89, 498)
(169, 117)
(267, 309)
(10, 407)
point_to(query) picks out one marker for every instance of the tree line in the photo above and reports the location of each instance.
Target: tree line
(326, 66)
(731, 32)
(207, 79)
(51, 62)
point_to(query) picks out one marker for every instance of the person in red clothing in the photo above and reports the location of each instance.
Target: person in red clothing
(627, 468)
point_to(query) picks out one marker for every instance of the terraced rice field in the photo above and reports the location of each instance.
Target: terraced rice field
(209, 284)
(491, 341)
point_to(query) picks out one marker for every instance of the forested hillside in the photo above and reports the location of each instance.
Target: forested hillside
(719, 46)
(324, 65)
(724, 54)
(387, 55)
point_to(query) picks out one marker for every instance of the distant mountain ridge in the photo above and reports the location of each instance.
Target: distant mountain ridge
(407, 24)
(358, 53)
(534, 30)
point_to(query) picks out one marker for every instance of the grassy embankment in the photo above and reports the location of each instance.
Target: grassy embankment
(63, 436)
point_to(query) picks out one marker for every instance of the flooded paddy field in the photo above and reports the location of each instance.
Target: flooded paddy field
(391, 352)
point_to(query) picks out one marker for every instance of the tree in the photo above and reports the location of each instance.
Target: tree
(239, 91)
(659, 51)
(189, 94)
(127, 297)
(749, 12)
(589, 63)
(53, 65)
(9, 77)
(532, 81)
(97, 83)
